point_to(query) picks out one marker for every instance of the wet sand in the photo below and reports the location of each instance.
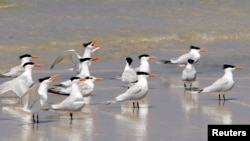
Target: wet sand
(168, 112)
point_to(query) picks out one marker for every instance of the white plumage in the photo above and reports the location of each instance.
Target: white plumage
(223, 84)
(193, 54)
(189, 74)
(20, 84)
(137, 91)
(18, 70)
(74, 102)
(36, 97)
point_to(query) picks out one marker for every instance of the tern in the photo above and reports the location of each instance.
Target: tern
(144, 64)
(189, 74)
(137, 91)
(18, 70)
(194, 54)
(74, 102)
(36, 97)
(223, 84)
(129, 75)
(20, 84)
(74, 56)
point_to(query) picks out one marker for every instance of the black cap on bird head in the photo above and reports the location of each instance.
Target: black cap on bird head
(24, 55)
(84, 59)
(194, 47)
(42, 79)
(73, 78)
(143, 55)
(87, 44)
(28, 63)
(227, 66)
(129, 60)
(142, 73)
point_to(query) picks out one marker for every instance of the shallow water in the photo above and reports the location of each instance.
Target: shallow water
(162, 28)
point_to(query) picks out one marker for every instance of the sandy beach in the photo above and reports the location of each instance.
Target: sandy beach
(163, 29)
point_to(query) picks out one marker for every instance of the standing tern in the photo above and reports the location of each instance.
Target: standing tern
(144, 64)
(193, 54)
(74, 102)
(20, 84)
(18, 70)
(74, 56)
(223, 84)
(137, 91)
(129, 75)
(189, 74)
(36, 97)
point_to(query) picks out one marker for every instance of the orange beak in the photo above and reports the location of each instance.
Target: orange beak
(203, 50)
(152, 57)
(153, 75)
(37, 65)
(238, 67)
(94, 41)
(99, 79)
(34, 57)
(94, 59)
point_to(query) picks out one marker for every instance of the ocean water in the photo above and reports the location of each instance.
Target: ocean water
(164, 28)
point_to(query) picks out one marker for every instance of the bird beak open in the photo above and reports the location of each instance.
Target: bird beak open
(203, 50)
(94, 59)
(34, 57)
(55, 77)
(37, 65)
(94, 43)
(153, 75)
(152, 57)
(98, 79)
(238, 67)
(82, 79)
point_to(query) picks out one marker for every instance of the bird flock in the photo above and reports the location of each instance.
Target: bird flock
(34, 96)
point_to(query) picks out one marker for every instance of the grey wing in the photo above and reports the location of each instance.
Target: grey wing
(129, 75)
(129, 94)
(218, 85)
(7, 86)
(31, 96)
(183, 58)
(13, 72)
(135, 89)
(86, 89)
(70, 54)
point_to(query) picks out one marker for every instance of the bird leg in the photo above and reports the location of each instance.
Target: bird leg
(185, 85)
(71, 116)
(219, 97)
(33, 118)
(37, 121)
(224, 97)
(138, 105)
(190, 87)
(133, 105)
